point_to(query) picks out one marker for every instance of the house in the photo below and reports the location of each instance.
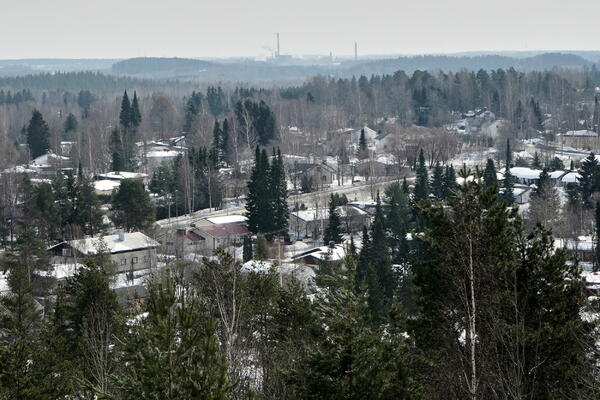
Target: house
(105, 187)
(317, 255)
(580, 139)
(581, 248)
(187, 242)
(312, 222)
(525, 175)
(121, 175)
(370, 135)
(49, 164)
(223, 235)
(130, 251)
(521, 193)
(322, 174)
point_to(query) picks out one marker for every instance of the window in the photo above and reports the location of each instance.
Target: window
(134, 260)
(123, 261)
(66, 252)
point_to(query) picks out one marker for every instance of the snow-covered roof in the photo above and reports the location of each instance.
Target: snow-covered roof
(227, 219)
(163, 153)
(579, 133)
(45, 160)
(120, 175)
(525, 173)
(106, 185)
(19, 169)
(111, 243)
(312, 214)
(558, 174)
(336, 253)
(571, 177)
(261, 267)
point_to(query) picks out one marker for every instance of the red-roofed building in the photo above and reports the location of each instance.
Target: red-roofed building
(220, 235)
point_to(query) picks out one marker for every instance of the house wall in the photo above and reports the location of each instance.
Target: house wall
(124, 262)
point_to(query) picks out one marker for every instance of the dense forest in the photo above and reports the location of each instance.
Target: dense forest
(475, 306)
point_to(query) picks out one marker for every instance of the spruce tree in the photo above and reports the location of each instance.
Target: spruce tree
(259, 201)
(333, 232)
(421, 191)
(71, 123)
(397, 220)
(247, 249)
(278, 193)
(362, 145)
(597, 232)
(125, 117)
(490, 178)
(449, 181)
(438, 182)
(38, 135)
(536, 163)
(405, 187)
(589, 180)
(135, 114)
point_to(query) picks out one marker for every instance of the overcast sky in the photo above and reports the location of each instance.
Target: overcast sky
(225, 28)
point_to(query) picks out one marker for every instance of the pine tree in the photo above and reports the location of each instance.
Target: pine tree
(438, 182)
(490, 178)
(333, 232)
(19, 322)
(353, 359)
(125, 117)
(173, 353)
(38, 135)
(132, 207)
(278, 193)
(421, 191)
(135, 114)
(508, 154)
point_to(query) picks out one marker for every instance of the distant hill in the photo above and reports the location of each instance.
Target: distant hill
(43, 65)
(161, 66)
(295, 70)
(540, 62)
(249, 70)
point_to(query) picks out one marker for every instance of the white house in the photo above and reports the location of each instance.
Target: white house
(130, 251)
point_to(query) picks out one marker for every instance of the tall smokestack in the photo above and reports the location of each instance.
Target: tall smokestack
(355, 51)
(278, 53)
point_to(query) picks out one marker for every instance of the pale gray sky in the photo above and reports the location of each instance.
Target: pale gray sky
(223, 28)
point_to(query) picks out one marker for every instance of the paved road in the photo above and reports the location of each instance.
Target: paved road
(357, 192)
